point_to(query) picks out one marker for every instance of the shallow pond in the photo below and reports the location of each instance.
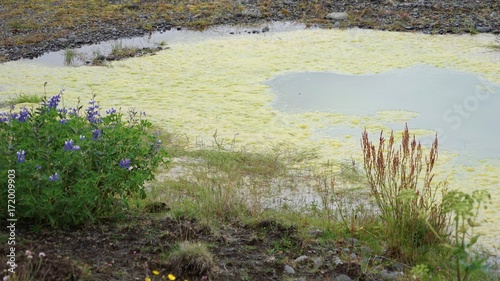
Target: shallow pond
(222, 83)
(463, 108)
(158, 39)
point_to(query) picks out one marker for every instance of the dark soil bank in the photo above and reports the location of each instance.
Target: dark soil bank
(132, 250)
(30, 28)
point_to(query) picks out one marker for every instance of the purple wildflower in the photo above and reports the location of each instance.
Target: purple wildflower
(96, 134)
(93, 114)
(62, 110)
(54, 177)
(70, 145)
(125, 163)
(24, 114)
(4, 117)
(63, 121)
(54, 101)
(73, 111)
(111, 111)
(21, 156)
(13, 116)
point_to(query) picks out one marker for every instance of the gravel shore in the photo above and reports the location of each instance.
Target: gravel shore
(28, 30)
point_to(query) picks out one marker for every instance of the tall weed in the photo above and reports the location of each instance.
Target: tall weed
(408, 202)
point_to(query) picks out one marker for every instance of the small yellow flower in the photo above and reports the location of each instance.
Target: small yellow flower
(156, 272)
(147, 279)
(171, 277)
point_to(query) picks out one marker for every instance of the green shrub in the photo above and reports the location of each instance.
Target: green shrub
(408, 204)
(69, 167)
(464, 210)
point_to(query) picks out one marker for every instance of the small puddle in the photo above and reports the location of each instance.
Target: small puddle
(463, 108)
(163, 39)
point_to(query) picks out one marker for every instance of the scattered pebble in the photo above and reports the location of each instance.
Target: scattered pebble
(289, 269)
(301, 259)
(337, 16)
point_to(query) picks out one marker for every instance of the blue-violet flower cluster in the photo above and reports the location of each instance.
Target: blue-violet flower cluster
(125, 163)
(70, 145)
(21, 156)
(22, 116)
(54, 101)
(96, 134)
(93, 114)
(54, 177)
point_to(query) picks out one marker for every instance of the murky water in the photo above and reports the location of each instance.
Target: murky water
(163, 39)
(463, 108)
(219, 83)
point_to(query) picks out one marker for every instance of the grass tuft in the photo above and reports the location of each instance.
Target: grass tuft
(119, 50)
(69, 56)
(192, 258)
(22, 98)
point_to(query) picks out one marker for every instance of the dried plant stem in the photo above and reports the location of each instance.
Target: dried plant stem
(406, 204)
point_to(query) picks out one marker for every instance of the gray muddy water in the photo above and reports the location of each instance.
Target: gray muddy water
(463, 108)
(164, 39)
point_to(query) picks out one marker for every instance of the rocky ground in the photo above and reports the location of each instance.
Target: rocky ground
(132, 249)
(30, 28)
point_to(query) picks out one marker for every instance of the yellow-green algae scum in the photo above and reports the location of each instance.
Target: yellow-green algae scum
(198, 87)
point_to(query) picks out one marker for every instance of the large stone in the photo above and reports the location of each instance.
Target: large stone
(318, 261)
(343, 277)
(301, 259)
(390, 275)
(483, 29)
(289, 269)
(252, 13)
(337, 16)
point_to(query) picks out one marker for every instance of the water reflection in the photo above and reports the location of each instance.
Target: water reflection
(163, 38)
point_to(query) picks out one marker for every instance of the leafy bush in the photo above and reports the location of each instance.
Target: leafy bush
(73, 167)
(464, 210)
(409, 208)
